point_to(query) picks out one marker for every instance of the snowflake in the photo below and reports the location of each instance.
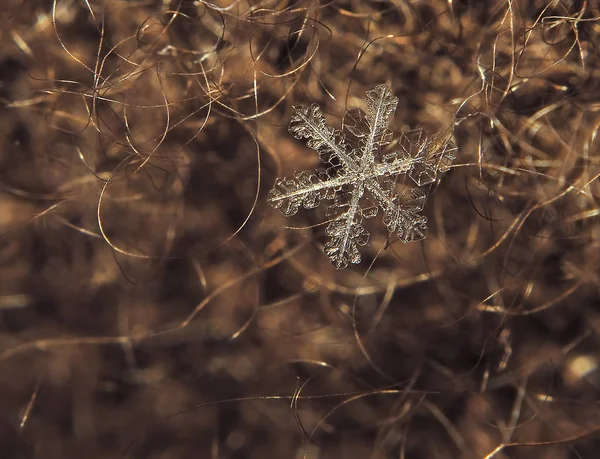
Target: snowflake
(357, 166)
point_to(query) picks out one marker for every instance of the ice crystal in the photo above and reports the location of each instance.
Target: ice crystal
(357, 166)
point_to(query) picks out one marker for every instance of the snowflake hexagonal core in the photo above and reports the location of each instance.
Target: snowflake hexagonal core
(358, 168)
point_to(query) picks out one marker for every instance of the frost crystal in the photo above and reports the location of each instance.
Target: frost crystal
(357, 166)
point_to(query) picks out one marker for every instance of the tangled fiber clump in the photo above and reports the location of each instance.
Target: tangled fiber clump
(153, 304)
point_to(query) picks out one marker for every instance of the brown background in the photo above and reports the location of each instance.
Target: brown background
(153, 305)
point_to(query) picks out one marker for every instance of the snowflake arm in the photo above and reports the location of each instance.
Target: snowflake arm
(381, 106)
(347, 233)
(401, 212)
(306, 189)
(430, 156)
(309, 123)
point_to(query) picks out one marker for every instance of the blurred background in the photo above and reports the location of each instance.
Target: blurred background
(154, 305)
